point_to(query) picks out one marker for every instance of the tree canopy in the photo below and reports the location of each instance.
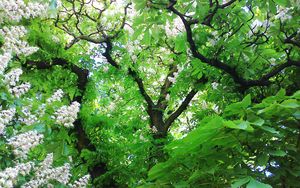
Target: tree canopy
(150, 93)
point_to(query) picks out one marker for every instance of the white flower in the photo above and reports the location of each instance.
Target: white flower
(67, 115)
(273, 61)
(13, 40)
(204, 105)
(154, 129)
(174, 28)
(22, 143)
(15, 10)
(168, 97)
(172, 79)
(214, 85)
(283, 14)
(55, 39)
(105, 68)
(19, 90)
(5, 117)
(29, 119)
(216, 108)
(12, 78)
(45, 172)
(4, 59)
(9, 175)
(256, 24)
(82, 182)
(212, 42)
(57, 96)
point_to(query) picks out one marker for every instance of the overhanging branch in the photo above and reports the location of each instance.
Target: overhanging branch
(131, 72)
(263, 81)
(183, 106)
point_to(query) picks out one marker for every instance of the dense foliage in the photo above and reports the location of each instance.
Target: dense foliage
(149, 93)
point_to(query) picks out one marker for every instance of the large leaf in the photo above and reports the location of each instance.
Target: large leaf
(239, 124)
(256, 184)
(278, 153)
(282, 2)
(239, 182)
(239, 107)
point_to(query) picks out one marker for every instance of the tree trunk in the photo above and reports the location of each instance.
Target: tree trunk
(157, 153)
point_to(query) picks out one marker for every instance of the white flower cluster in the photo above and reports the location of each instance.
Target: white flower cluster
(256, 25)
(27, 117)
(214, 39)
(283, 14)
(174, 28)
(5, 117)
(57, 96)
(173, 78)
(215, 85)
(22, 143)
(132, 47)
(55, 39)
(168, 97)
(113, 11)
(12, 41)
(66, 115)
(47, 162)
(82, 182)
(41, 110)
(46, 172)
(4, 59)
(13, 77)
(19, 90)
(15, 10)
(12, 11)
(9, 175)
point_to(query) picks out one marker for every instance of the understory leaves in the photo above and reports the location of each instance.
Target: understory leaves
(219, 143)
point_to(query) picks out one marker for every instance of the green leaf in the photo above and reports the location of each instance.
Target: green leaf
(208, 130)
(297, 114)
(239, 182)
(147, 37)
(137, 32)
(65, 149)
(3, 96)
(239, 124)
(182, 184)
(40, 128)
(278, 153)
(199, 75)
(290, 103)
(269, 129)
(72, 92)
(159, 171)
(263, 159)
(239, 107)
(180, 43)
(269, 52)
(256, 184)
(258, 122)
(281, 2)
(296, 95)
(281, 93)
(140, 4)
(272, 6)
